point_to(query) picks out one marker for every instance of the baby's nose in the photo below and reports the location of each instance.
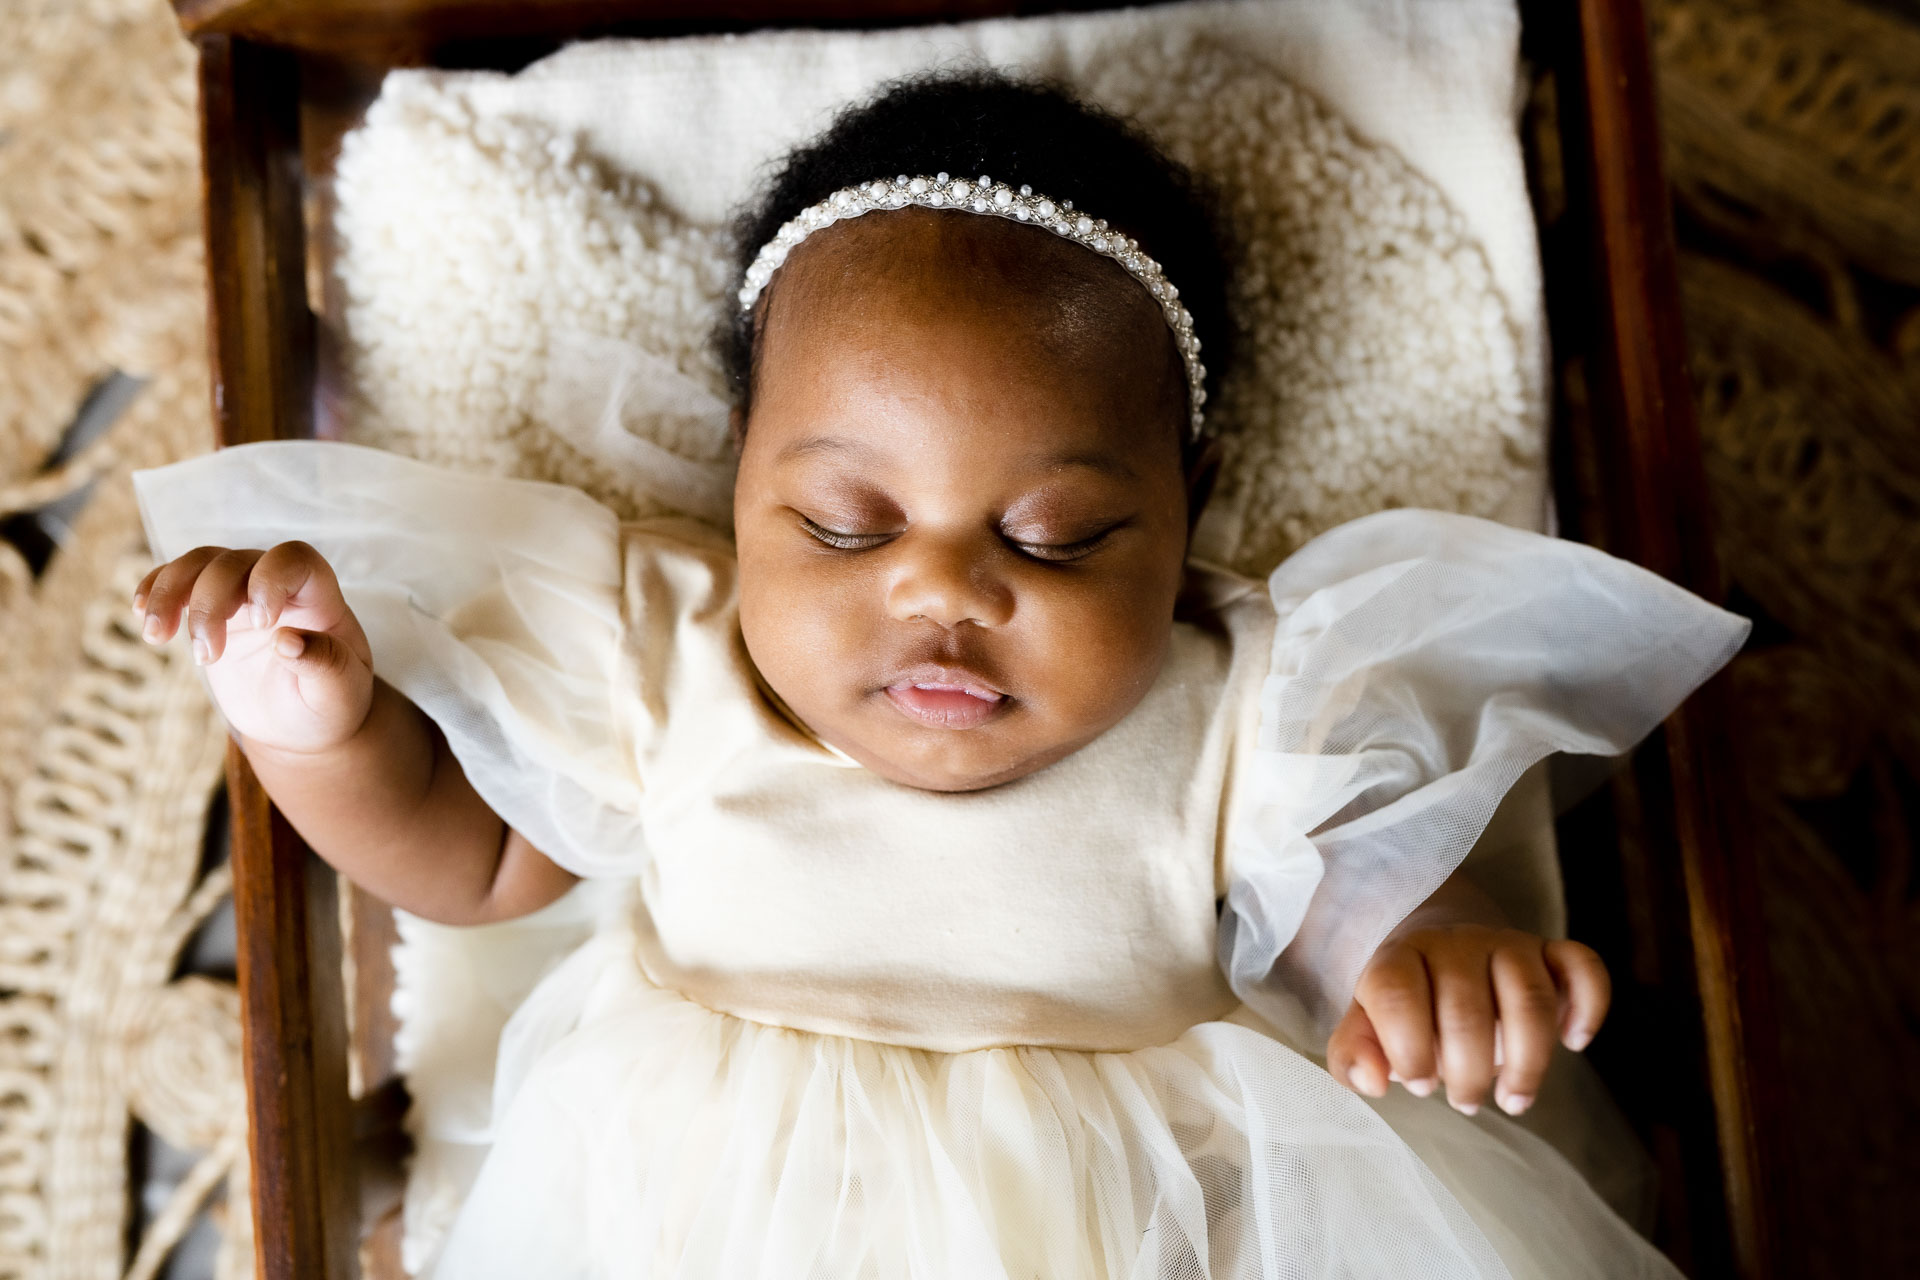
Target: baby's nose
(947, 583)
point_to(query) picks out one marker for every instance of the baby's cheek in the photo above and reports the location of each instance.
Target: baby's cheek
(802, 628)
(1100, 657)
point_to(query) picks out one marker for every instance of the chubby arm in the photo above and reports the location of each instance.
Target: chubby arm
(1426, 1006)
(359, 771)
(391, 809)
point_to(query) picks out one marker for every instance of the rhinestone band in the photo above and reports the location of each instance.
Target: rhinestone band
(997, 198)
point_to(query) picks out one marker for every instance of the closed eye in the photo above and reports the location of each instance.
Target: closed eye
(1060, 552)
(1049, 552)
(842, 541)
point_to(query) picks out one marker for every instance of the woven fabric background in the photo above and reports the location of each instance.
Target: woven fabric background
(1793, 129)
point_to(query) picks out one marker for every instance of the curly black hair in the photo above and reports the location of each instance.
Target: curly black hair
(1020, 130)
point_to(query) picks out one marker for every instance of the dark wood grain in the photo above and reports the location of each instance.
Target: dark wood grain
(286, 912)
(293, 1022)
(411, 32)
(1637, 467)
(259, 328)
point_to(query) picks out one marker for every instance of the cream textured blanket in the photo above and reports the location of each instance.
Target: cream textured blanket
(526, 270)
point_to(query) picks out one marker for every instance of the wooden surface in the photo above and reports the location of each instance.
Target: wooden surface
(410, 32)
(292, 1008)
(1633, 485)
(1655, 447)
(1636, 458)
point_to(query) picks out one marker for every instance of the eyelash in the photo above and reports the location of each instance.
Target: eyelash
(842, 541)
(1059, 553)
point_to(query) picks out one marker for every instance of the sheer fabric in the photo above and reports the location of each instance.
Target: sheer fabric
(492, 603)
(660, 1139)
(1422, 662)
(1414, 664)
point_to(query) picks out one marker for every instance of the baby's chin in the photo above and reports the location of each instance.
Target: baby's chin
(950, 760)
(971, 776)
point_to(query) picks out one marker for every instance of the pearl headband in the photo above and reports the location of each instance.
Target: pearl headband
(1002, 201)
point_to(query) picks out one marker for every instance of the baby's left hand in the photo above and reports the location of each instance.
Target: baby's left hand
(1429, 1000)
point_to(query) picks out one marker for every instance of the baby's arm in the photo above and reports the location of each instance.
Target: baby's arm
(359, 771)
(1424, 1009)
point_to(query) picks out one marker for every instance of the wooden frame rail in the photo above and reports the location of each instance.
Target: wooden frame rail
(1639, 445)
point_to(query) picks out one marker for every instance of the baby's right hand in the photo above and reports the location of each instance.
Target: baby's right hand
(285, 657)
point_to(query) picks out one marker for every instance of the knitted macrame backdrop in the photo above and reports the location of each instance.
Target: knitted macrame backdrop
(1794, 142)
(109, 753)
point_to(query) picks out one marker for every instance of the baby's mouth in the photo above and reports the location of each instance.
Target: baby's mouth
(948, 703)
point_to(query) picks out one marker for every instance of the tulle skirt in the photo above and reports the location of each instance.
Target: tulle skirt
(643, 1135)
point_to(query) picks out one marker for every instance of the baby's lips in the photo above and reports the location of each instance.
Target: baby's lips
(944, 706)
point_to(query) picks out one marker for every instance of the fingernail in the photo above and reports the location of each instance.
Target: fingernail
(1515, 1103)
(151, 631)
(140, 602)
(1578, 1039)
(258, 614)
(202, 652)
(1464, 1108)
(289, 644)
(1422, 1087)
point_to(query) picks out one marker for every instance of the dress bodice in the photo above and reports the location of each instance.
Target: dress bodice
(1075, 907)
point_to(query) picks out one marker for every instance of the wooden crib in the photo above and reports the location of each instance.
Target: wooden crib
(1660, 874)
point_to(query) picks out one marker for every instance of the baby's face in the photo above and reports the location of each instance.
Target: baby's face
(960, 511)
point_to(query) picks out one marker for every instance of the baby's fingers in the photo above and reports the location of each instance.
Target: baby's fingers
(1580, 974)
(312, 653)
(1398, 999)
(1529, 1013)
(1463, 1010)
(1354, 1055)
(145, 589)
(294, 574)
(163, 593)
(217, 595)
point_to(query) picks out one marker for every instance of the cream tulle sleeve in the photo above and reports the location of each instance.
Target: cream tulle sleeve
(492, 603)
(1421, 662)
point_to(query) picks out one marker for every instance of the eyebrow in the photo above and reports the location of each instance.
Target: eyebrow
(1107, 464)
(821, 444)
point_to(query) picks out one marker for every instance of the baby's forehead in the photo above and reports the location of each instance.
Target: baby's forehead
(1072, 304)
(920, 326)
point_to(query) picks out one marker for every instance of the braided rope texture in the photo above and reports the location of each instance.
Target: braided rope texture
(109, 751)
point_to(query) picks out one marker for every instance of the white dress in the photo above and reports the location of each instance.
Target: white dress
(1063, 1028)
